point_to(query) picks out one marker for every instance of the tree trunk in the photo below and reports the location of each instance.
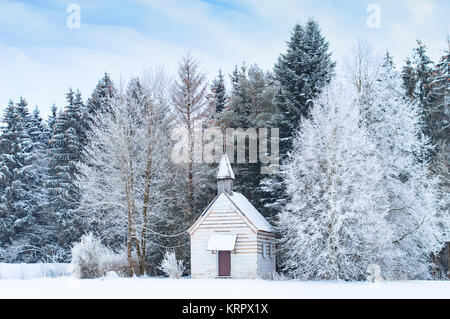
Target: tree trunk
(129, 239)
(435, 267)
(448, 260)
(148, 177)
(190, 165)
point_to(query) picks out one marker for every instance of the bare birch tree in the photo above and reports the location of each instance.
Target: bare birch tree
(127, 149)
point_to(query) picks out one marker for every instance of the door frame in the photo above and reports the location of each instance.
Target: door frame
(217, 264)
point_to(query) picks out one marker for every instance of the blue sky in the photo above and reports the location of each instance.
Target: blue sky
(40, 57)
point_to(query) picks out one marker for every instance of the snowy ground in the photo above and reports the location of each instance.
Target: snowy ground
(68, 287)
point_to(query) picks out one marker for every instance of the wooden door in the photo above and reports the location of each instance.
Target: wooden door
(224, 263)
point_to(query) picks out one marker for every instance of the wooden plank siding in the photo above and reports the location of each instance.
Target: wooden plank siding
(266, 263)
(222, 217)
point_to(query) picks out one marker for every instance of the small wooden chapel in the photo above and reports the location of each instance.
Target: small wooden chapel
(231, 239)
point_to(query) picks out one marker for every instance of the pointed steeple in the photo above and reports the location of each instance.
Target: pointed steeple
(225, 176)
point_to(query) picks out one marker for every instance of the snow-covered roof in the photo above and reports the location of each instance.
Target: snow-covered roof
(225, 170)
(251, 215)
(221, 242)
(246, 208)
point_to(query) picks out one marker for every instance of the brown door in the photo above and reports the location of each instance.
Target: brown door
(224, 263)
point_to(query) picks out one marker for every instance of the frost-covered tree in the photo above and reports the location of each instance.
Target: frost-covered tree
(394, 125)
(333, 226)
(124, 181)
(101, 96)
(41, 234)
(66, 146)
(302, 72)
(23, 168)
(8, 166)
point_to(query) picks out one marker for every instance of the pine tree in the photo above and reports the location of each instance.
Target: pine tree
(251, 107)
(409, 80)
(51, 121)
(40, 233)
(8, 164)
(65, 153)
(439, 117)
(22, 173)
(423, 70)
(417, 77)
(440, 132)
(101, 96)
(302, 72)
(219, 94)
(17, 194)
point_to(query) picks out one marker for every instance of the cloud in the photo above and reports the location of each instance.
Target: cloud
(40, 57)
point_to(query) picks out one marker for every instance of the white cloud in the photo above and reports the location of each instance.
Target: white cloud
(40, 58)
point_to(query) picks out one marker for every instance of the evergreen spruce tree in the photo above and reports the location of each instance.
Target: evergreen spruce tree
(219, 94)
(101, 96)
(23, 168)
(423, 70)
(51, 121)
(302, 72)
(65, 153)
(417, 76)
(251, 107)
(41, 232)
(409, 80)
(439, 117)
(8, 164)
(440, 133)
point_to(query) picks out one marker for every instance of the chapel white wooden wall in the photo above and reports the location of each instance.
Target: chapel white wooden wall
(247, 259)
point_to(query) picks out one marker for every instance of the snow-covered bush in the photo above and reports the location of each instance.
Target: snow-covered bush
(91, 259)
(87, 255)
(172, 267)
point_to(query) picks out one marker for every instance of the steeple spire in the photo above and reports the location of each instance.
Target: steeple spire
(225, 176)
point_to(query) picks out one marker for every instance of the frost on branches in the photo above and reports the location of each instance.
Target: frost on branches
(332, 223)
(172, 267)
(358, 188)
(413, 213)
(123, 181)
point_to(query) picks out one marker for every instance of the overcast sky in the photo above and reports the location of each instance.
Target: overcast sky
(41, 57)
